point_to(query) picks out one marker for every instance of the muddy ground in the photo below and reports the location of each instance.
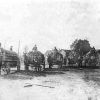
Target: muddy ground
(71, 84)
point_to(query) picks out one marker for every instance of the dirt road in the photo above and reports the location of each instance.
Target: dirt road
(56, 85)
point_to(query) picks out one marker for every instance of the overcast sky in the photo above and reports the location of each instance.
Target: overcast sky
(48, 23)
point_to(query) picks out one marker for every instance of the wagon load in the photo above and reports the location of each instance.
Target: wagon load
(55, 58)
(35, 56)
(35, 59)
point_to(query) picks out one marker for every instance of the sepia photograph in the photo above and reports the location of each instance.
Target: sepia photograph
(49, 50)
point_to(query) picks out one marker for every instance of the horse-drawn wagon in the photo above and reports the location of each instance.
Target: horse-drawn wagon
(55, 58)
(91, 59)
(35, 59)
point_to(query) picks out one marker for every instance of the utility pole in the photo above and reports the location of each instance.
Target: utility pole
(18, 47)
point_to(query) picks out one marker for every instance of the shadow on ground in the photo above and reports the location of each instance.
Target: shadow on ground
(24, 75)
(86, 74)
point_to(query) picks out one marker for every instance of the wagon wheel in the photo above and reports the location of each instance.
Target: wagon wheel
(6, 68)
